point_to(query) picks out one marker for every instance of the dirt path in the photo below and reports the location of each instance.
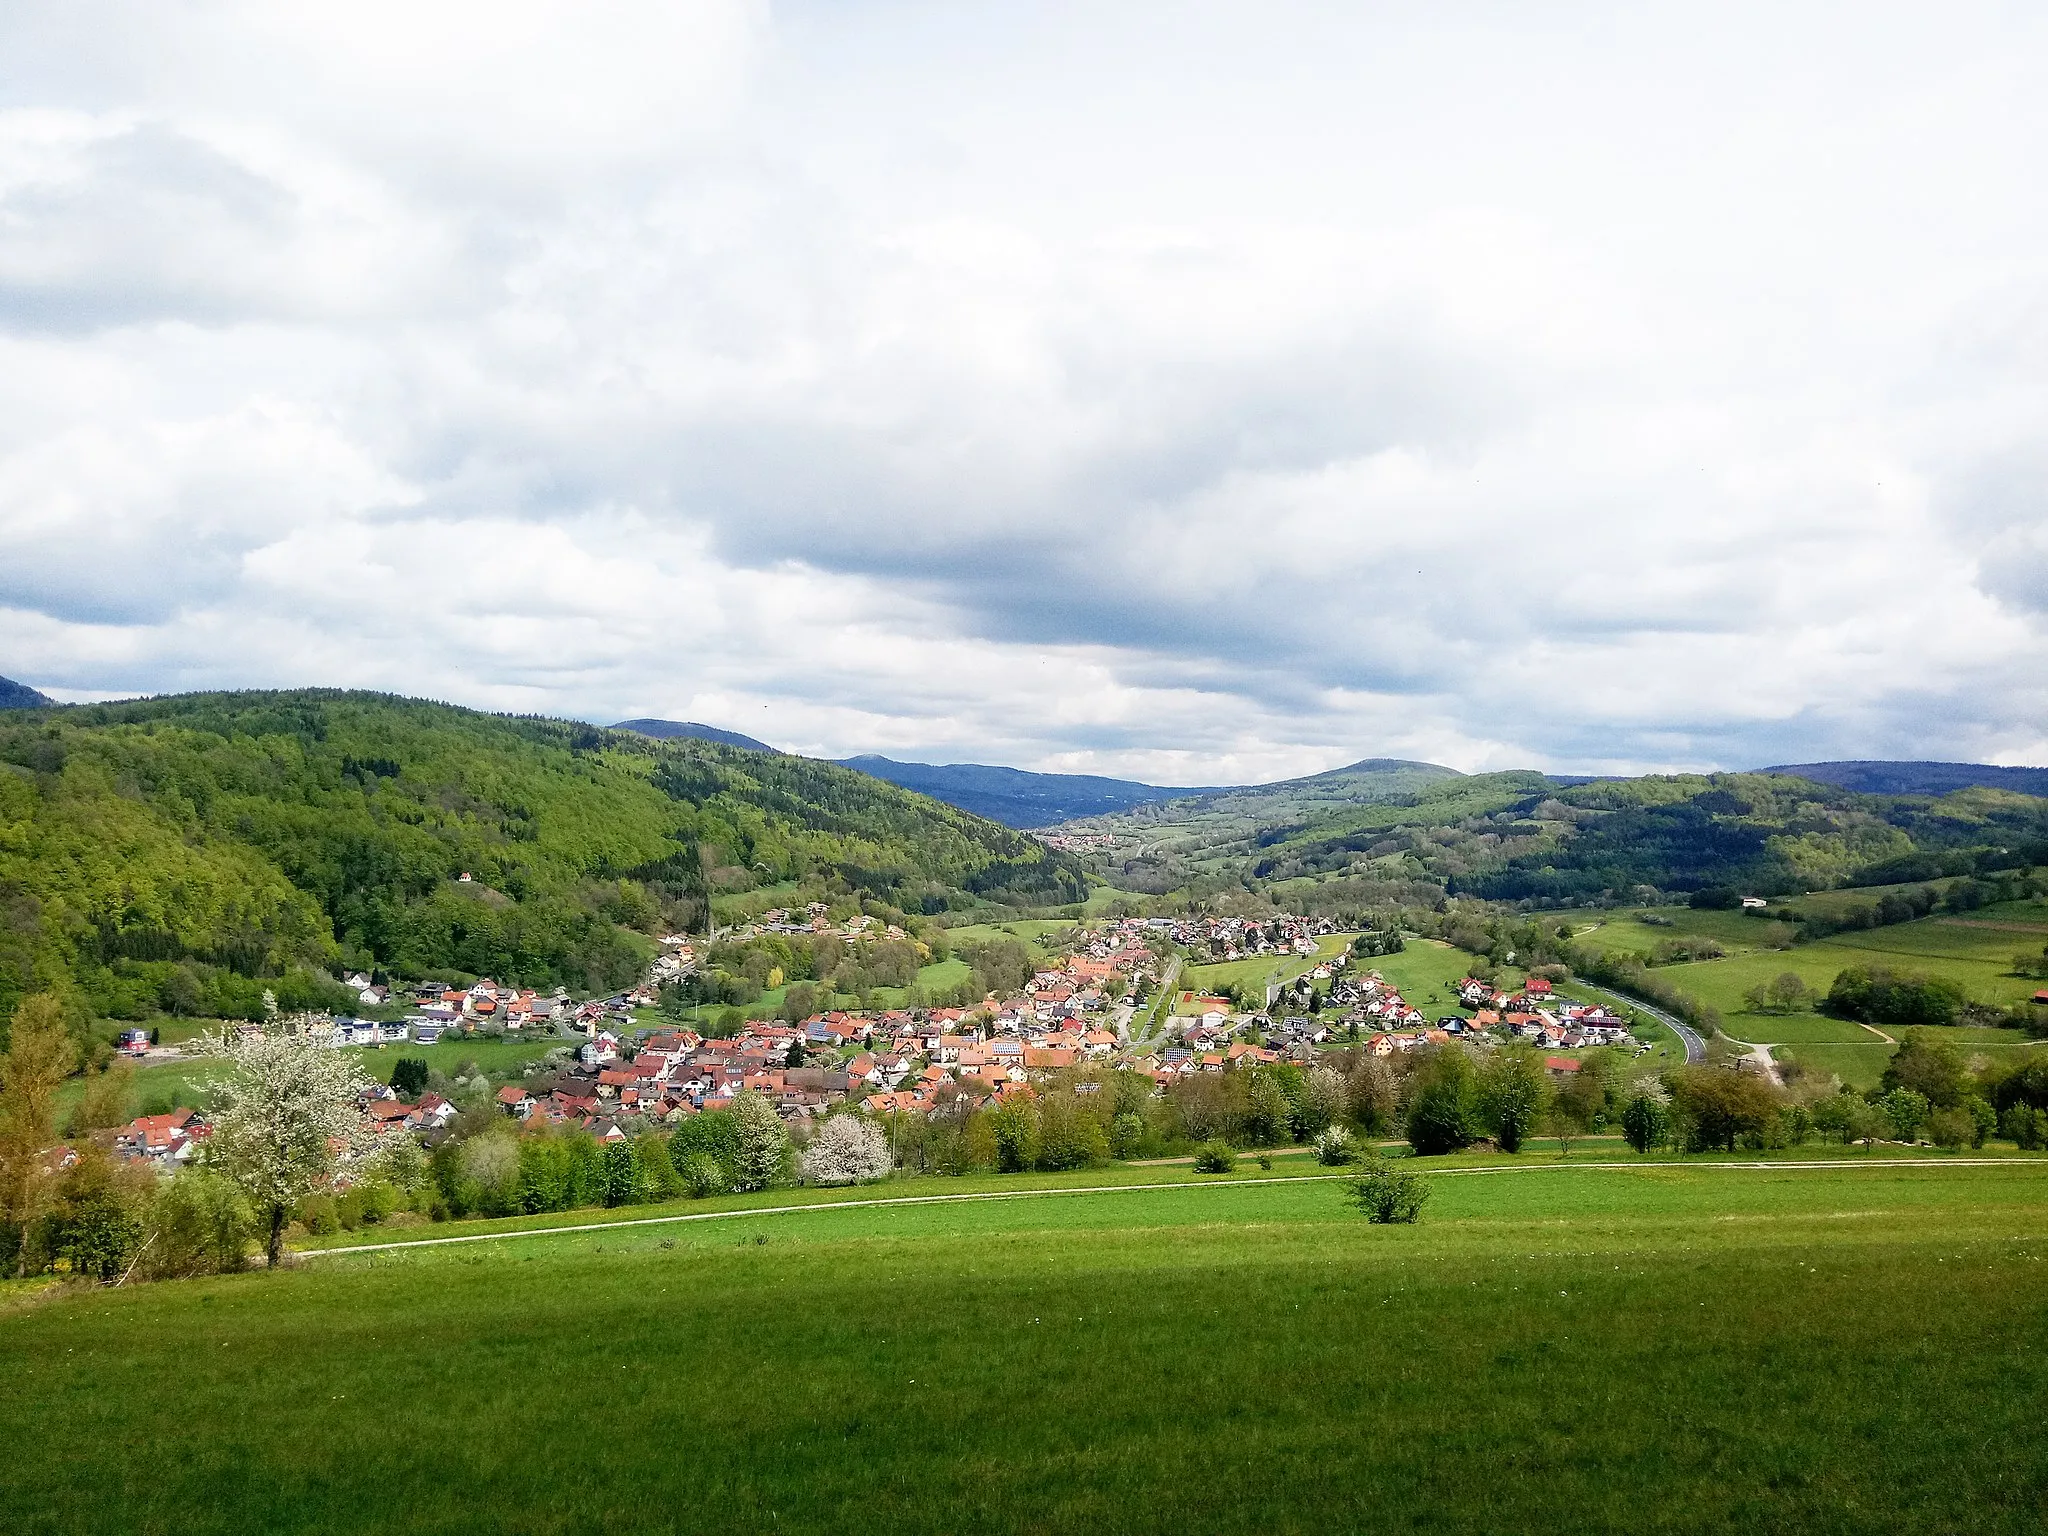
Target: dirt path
(1887, 1039)
(1765, 1062)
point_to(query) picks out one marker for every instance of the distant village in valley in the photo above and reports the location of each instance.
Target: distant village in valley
(1093, 1012)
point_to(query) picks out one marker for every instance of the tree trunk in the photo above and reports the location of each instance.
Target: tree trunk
(275, 1250)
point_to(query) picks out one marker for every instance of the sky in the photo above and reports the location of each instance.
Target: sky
(1201, 394)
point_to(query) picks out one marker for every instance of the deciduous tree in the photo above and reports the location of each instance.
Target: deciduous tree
(761, 1142)
(40, 1055)
(847, 1150)
(286, 1117)
(1516, 1093)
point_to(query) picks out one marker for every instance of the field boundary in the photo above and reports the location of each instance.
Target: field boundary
(1126, 1189)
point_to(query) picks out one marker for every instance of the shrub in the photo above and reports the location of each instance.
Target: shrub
(1951, 1129)
(1445, 1114)
(847, 1150)
(702, 1175)
(1126, 1134)
(2025, 1126)
(1334, 1149)
(1215, 1157)
(762, 1142)
(201, 1225)
(1388, 1195)
(317, 1214)
(1906, 1110)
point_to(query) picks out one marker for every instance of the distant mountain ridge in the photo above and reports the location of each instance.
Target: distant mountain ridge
(15, 695)
(1017, 797)
(672, 730)
(1876, 777)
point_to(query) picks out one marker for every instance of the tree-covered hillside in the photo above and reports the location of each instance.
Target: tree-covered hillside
(1521, 837)
(183, 852)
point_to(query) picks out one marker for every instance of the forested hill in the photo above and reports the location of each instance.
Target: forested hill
(15, 695)
(1018, 797)
(1885, 778)
(210, 841)
(670, 730)
(1518, 836)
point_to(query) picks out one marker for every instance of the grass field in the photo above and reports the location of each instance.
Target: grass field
(181, 1083)
(1029, 929)
(1669, 1347)
(1735, 931)
(1975, 950)
(1261, 969)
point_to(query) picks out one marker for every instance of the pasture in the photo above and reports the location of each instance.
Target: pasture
(1260, 970)
(182, 1083)
(1737, 932)
(1674, 1346)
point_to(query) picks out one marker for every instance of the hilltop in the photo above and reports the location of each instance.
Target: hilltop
(674, 730)
(15, 695)
(1018, 797)
(177, 852)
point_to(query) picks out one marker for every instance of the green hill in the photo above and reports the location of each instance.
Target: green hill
(1411, 834)
(219, 842)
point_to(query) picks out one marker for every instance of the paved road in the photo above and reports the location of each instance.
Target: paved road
(1695, 1047)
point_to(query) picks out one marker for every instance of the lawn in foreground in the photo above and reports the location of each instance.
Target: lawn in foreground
(1662, 1348)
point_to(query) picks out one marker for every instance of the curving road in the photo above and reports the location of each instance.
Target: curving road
(1695, 1047)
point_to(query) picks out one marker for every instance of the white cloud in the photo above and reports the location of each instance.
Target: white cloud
(1182, 392)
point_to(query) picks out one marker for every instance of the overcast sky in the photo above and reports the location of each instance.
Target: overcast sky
(1197, 394)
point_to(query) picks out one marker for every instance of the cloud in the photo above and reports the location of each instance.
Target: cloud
(1183, 393)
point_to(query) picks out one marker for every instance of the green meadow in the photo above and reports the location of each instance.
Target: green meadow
(182, 1082)
(1205, 980)
(1737, 932)
(1668, 1346)
(1975, 950)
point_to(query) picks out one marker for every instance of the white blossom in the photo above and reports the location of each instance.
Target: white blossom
(286, 1117)
(848, 1150)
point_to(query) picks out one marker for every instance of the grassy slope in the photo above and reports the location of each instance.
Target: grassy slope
(1668, 1348)
(1207, 979)
(1975, 950)
(182, 1082)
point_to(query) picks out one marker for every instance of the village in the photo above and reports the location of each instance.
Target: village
(620, 1068)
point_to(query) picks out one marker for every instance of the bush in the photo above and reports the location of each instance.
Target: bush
(1215, 1157)
(1951, 1129)
(96, 1222)
(1334, 1149)
(1445, 1114)
(201, 1225)
(702, 1175)
(318, 1215)
(1126, 1135)
(1388, 1195)
(2025, 1126)
(847, 1150)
